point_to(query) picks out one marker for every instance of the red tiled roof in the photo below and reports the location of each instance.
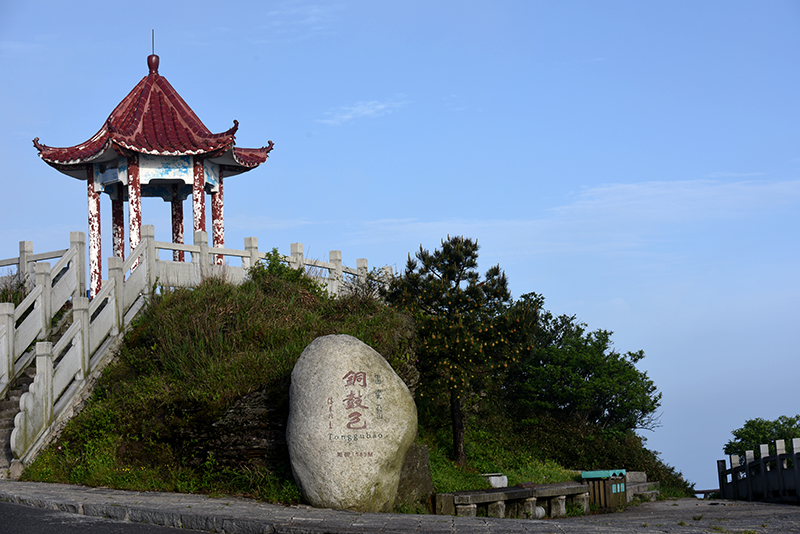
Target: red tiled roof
(154, 119)
(251, 157)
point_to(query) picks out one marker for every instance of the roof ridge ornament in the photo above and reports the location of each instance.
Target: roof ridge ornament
(152, 63)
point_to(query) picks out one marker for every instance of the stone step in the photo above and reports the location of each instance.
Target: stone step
(635, 477)
(646, 486)
(647, 496)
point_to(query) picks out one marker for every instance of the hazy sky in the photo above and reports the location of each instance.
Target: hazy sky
(637, 163)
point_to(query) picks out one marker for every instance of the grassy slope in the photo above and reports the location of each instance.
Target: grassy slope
(195, 352)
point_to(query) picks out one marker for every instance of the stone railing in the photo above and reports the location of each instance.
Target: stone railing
(48, 290)
(770, 477)
(65, 368)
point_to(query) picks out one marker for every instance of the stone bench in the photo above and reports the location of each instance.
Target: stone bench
(519, 502)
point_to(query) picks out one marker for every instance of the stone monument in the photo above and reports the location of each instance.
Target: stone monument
(351, 423)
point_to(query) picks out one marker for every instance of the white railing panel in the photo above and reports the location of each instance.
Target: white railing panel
(67, 368)
(72, 335)
(234, 275)
(105, 320)
(66, 399)
(180, 274)
(67, 284)
(134, 285)
(23, 361)
(28, 331)
(65, 259)
(102, 325)
(26, 303)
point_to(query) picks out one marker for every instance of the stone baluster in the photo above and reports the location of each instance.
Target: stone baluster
(335, 276)
(43, 279)
(363, 270)
(115, 274)
(44, 374)
(149, 238)
(78, 241)
(7, 349)
(251, 246)
(201, 240)
(25, 250)
(296, 261)
(80, 311)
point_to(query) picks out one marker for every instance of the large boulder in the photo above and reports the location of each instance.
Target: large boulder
(351, 422)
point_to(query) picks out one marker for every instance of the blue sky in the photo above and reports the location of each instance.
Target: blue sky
(637, 163)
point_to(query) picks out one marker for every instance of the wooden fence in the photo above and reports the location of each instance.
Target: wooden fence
(770, 477)
(65, 368)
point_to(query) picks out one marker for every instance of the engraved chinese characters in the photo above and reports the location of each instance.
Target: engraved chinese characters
(351, 422)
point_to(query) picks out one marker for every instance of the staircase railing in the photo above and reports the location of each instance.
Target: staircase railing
(31, 320)
(66, 368)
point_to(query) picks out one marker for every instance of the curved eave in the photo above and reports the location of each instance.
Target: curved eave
(88, 152)
(239, 160)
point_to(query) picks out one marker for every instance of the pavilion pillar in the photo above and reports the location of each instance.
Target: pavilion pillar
(198, 196)
(134, 202)
(218, 220)
(177, 222)
(95, 262)
(118, 224)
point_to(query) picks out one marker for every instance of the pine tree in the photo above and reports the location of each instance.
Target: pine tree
(464, 324)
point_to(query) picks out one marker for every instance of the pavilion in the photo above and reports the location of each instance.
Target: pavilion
(152, 145)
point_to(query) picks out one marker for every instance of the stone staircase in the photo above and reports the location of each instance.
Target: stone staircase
(638, 488)
(9, 408)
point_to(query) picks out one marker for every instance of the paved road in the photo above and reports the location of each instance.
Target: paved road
(21, 519)
(242, 516)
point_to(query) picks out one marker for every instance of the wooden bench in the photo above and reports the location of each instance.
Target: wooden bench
(520, 502)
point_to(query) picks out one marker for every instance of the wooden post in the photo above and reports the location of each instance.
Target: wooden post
(251, 246)
(43, 279)
(80, 310)
(44, 371)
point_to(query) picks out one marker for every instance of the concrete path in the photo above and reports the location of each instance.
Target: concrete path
(243, 516)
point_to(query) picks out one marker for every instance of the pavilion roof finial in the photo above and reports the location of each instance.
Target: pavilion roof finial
(152, 60)
(152, 63)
